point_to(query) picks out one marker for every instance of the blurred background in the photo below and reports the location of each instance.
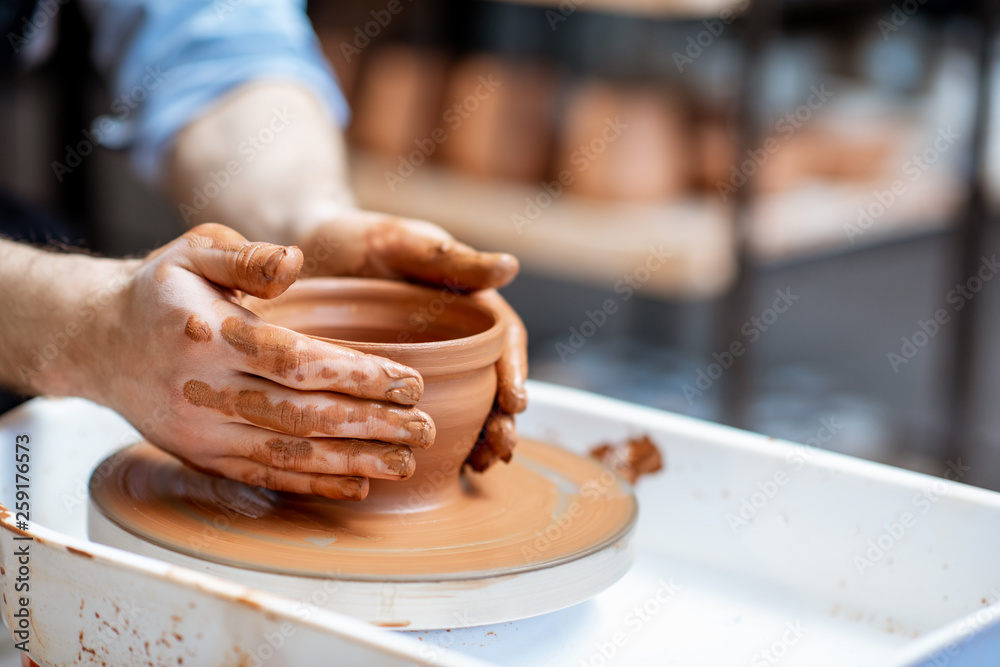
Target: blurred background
(773, 215)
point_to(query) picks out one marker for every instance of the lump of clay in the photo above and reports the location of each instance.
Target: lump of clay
(631, 459)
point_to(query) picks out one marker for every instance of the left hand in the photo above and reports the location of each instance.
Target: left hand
(377, 245)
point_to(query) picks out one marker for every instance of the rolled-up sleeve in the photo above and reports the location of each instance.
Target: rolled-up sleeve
(167, 60)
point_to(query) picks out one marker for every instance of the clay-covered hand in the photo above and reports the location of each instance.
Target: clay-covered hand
(364, 243)
(244, 399)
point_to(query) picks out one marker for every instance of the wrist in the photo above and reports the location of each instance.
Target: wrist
(90, 328)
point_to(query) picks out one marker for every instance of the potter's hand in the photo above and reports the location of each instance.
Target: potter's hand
(363, 243)
(296, 191)
(245, 399)
(498, 437)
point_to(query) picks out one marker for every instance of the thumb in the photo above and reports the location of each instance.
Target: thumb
(224, 257)
(426, 253)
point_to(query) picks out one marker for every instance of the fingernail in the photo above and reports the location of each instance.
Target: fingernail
(513, 400)
(270, 267)
(398, 461)
(481, 458)
(504, 269)
(421, 432)
(406, 391)
(353, 488)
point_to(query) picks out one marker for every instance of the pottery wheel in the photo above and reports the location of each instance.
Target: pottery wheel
(546, 531)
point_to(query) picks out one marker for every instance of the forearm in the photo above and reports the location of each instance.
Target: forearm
(266, 160)
(52, 314)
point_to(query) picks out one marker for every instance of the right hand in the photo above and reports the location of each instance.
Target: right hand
(366, 243)
(245, 399)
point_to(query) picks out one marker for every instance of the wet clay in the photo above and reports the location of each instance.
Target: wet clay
(454, 341)
(285, 417)
(197, 330)
(631, 459)
(262, 268)
(548, 506)
(269, 349)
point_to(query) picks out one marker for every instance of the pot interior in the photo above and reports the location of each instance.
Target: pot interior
(408, 315)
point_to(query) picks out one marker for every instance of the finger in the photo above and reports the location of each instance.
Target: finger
(301, 362)
(329, 456)
(496, 441)
(222, 256)
(338, 487)
(482, 456)
(300, 413)
(512, 367)
(424, 252)
(500, 435)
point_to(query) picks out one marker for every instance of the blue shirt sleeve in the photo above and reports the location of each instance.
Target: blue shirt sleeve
(165, 61)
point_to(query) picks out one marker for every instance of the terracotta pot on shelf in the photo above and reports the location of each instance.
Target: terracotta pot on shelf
(498, 118)
(624, 142)
(398, 99)
(832, 150)
(453, 340)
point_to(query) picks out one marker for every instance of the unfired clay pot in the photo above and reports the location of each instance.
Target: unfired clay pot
(415, 553)
(452, 340)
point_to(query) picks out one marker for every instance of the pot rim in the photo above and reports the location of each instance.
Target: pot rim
(453, 355)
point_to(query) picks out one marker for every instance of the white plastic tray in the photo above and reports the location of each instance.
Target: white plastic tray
(787, 588)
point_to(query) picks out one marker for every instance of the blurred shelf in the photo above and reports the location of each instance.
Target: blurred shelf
(593, 242)
(599, 242)
(822, 218)
(918, 189)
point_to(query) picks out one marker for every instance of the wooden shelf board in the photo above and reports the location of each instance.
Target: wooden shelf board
(594, 242)
(599, 242)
